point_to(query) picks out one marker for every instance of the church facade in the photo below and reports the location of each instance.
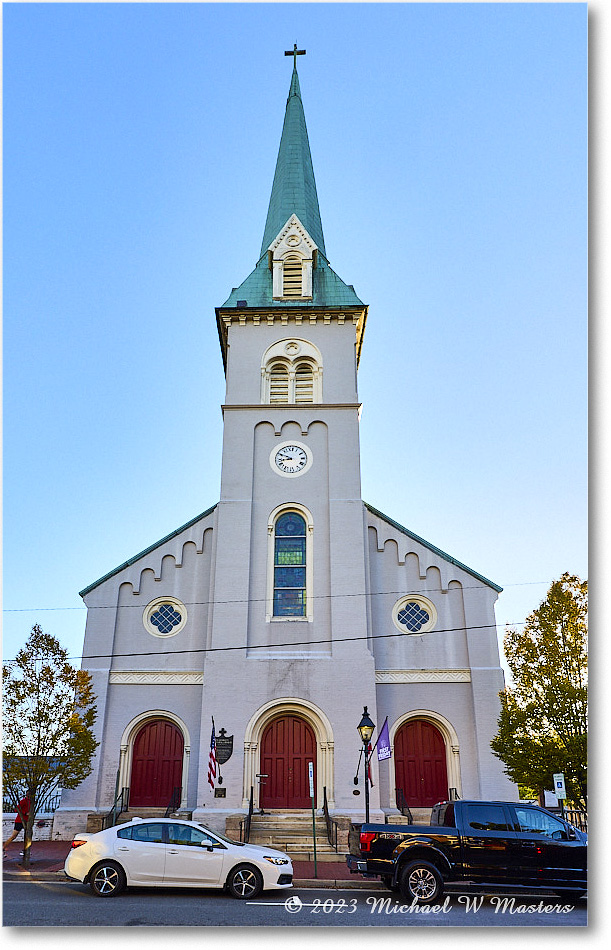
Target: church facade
(291, 604)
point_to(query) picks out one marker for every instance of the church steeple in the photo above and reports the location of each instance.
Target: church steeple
(294, 187)
(293, 270)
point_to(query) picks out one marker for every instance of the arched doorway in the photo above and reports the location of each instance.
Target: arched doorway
(288, 745)
(420, 763)
(157, 761)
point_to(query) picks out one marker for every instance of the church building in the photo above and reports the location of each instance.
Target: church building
(291, 604)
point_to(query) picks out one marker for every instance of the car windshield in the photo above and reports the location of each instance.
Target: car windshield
(221, 837)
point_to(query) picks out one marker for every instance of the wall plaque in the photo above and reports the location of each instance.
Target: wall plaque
(224, 747)
(220, 792)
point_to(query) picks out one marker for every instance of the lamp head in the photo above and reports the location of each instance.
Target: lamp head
(365, 726)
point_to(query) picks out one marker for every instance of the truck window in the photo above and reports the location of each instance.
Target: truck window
(448, 817)
(539, 823)
(486, 818)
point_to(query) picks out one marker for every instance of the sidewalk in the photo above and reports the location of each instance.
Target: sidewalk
(47, 863)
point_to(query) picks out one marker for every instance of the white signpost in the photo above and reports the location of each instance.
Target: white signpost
(311, 781)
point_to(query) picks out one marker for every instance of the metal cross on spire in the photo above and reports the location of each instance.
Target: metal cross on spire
(294, 53)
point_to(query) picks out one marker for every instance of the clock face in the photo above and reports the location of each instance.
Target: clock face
(290, 458)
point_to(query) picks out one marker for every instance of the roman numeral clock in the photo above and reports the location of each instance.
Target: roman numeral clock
(290, 459)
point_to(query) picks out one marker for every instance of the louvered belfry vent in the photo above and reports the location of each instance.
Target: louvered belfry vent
(278, 384)
(304, 383)
(292, 278)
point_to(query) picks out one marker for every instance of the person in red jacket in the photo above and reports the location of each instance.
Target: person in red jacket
(23, 811)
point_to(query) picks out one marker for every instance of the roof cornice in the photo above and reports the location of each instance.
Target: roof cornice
(290, 315)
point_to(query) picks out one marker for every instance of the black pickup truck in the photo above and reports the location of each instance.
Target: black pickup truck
(504, 844)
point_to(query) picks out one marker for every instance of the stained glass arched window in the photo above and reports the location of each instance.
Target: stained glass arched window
(290, 565)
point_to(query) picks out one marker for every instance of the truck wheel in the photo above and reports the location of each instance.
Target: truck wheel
(387, 881)
(421, 882)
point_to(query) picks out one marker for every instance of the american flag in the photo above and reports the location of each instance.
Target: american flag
(212, 758)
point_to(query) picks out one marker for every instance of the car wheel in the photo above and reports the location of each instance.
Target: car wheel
(387, 881)
(245, 882)
(107, 879)
(421, 882)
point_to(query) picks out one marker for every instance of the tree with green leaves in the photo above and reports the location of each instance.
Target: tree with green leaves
(542, 728)
(49, 712)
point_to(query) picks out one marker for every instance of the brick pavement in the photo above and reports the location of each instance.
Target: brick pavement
(49, 856)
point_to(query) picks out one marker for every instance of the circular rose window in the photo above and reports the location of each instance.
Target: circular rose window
(165, 617)
(414, 614)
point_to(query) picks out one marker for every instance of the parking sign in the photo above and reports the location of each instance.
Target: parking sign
(559, 789)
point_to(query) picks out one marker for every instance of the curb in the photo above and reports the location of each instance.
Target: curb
(312, 882)
(34, 875)
(339, 884)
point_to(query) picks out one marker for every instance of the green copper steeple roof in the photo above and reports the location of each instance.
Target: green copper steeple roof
(294, 192)
(294, 187)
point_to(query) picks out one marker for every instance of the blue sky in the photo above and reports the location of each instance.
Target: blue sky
(449, 147)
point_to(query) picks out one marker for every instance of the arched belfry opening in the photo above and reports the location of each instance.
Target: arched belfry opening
(291, 373)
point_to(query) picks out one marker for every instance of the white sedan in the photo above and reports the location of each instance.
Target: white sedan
(149, 852)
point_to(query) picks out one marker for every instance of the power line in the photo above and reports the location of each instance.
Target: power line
(275, 646)
(258, 600)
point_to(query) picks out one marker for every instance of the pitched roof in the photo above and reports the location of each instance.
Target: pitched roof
(328, 290)
(431, 547)
(157, 544)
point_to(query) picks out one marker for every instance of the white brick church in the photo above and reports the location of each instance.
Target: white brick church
(290, 604)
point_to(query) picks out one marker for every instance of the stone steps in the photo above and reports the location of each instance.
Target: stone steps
(293, 835)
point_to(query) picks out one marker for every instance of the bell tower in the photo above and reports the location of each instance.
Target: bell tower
(289, 583)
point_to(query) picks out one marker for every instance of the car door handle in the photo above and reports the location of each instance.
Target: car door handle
(123, 849)
(173, 852)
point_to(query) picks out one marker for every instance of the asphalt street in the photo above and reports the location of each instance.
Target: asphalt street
(67, 904)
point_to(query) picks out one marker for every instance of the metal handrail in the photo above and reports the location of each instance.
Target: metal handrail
(174, 801)
(403, 806)
(331, 825)
(121, 803)
(245, 823)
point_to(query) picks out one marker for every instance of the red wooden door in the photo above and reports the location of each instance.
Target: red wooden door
(156, 764)
(287, 746)
(420, 763)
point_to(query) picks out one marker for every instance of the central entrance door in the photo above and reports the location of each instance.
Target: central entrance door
(287, 746)
(156, 764)
(420, 763)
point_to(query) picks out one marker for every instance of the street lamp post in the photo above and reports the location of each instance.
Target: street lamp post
(365, 729)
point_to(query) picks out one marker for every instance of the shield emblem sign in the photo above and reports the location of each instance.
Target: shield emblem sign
(224, 747)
